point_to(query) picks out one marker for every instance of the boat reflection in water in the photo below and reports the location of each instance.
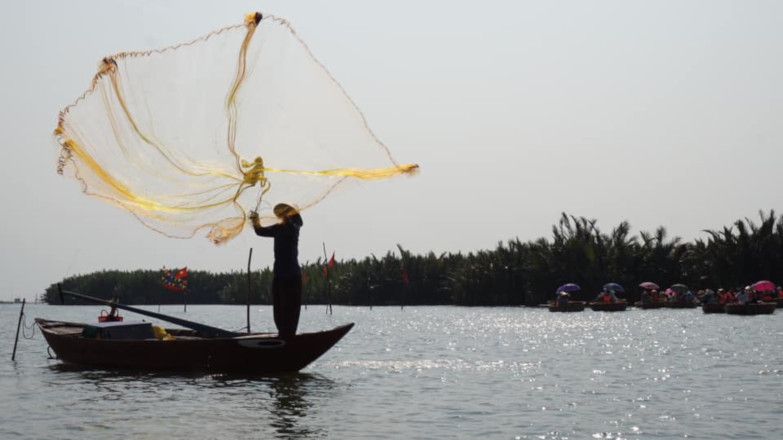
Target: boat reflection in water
(291, 404)
(283, 406)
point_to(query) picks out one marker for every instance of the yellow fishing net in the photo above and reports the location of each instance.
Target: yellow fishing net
(191, 137)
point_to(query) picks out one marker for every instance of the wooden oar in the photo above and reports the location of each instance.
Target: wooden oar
(205, 330)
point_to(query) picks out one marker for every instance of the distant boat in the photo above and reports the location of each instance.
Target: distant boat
(573, 306)
(680, 305)
(649, 305)
(713, 308)
(750, 309)
(609, 307)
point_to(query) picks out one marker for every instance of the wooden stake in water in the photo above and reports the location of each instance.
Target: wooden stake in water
(18, 325)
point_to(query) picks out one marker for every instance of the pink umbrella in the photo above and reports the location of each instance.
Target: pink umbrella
(649, 285)
(763, 286)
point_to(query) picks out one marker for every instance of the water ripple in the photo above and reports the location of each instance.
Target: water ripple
(431, 372)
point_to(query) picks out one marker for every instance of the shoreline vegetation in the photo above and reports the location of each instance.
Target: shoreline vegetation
(515, 273)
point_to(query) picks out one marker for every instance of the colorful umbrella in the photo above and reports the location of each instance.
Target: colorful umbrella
(679, 288)
(649, 285)
(570, 287)
(763, 285)
(613, 286)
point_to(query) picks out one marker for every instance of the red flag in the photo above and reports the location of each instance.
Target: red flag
(176, 281)
(405, 275)
(182, 273)
(329, 265)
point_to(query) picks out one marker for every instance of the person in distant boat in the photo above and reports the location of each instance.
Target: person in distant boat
(287, 280)
(744, 295)
(731, 296)
(562, 299)
(709, 297)
(606, 296)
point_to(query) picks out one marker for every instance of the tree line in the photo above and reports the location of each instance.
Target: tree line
(513, 273)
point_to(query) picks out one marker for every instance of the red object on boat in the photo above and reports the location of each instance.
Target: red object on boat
(109, 317)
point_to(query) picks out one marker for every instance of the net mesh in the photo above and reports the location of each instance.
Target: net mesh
(190, 137)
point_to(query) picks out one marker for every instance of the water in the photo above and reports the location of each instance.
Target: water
(427, 373)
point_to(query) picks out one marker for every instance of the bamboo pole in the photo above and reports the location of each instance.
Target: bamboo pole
(208, 331)
(328, 284)
(249, 288)
(18, 325)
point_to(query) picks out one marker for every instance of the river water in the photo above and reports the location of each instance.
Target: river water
(426, 373)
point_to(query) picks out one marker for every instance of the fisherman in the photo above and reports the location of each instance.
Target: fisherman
(287, 280)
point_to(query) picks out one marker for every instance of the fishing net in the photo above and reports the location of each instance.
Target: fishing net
(191, 137)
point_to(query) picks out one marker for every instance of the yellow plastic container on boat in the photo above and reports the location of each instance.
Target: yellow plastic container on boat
(160, 333)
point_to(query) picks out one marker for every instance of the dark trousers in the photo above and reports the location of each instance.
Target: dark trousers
(287, 301)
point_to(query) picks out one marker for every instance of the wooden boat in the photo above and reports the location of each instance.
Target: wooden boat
(609, 307)
(573, 306)
(680, 305)
(761, 308)
(649, 305)
(713, 308)
(114, 343)
(134, 346)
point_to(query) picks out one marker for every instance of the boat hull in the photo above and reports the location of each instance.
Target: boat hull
(256, 354)
(681, 305)
(750, 309)
(650, 305)
(713, 308)
(609, 307)
(573, 306)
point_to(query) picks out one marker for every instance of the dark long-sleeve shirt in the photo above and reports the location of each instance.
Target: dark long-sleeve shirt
(286, 237)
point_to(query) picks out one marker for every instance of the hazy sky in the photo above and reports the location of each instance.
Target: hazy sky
(662, 113)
